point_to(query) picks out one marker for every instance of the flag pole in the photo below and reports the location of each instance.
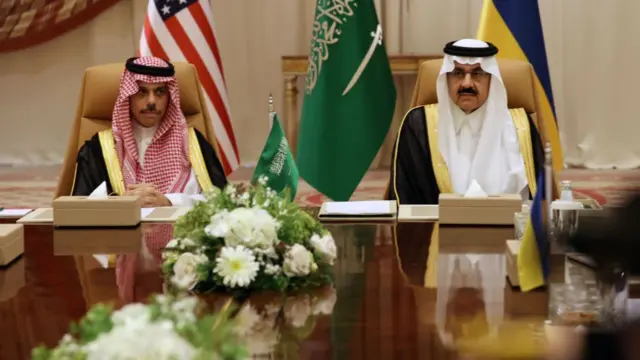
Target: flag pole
(548, 183)
(555, 251)
(271, 110)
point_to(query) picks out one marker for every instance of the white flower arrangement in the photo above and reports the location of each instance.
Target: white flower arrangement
(166, 328)
(271, 328)
(251, 241)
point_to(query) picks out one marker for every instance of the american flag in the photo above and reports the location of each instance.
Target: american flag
(182, 30)
(25, 23)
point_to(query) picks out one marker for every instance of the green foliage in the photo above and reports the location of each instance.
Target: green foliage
(210, 334)
(94, 323)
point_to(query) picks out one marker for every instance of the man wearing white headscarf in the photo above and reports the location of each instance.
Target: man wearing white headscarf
(470, 141)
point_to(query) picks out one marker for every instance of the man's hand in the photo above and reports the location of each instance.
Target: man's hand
(150, 195)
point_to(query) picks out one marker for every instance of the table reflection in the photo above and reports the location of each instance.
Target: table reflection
(394, 295)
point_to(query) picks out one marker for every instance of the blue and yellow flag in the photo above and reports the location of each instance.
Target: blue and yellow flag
(514, 27)
(533, 256)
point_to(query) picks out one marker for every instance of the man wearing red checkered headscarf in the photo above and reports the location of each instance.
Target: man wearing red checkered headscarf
(147, 151)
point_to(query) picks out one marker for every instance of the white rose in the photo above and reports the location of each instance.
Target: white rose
(185, 274)
(325, 304)
(297, 310)
(325, 246)
(298, 261)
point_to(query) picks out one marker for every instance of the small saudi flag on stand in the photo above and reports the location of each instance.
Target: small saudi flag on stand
(349, 98)
(276, 161)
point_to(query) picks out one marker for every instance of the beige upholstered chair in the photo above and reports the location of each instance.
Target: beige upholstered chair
(98, 95)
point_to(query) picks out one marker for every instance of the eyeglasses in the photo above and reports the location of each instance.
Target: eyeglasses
(476, 74)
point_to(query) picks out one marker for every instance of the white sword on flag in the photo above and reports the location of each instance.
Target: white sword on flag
(377, 40)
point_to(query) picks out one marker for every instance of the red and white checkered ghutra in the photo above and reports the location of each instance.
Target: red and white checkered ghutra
(182, 30)
(166, 161)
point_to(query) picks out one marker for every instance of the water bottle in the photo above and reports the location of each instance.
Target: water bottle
(567, 192)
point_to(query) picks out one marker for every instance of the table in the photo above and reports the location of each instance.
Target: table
(386, 283)
(294, 66)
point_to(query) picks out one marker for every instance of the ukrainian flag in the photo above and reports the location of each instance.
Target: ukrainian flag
(514, 27)
(533, 259)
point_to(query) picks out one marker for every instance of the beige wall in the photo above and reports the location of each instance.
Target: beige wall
(590, 44)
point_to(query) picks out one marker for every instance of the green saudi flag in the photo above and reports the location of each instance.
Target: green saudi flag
(276, 161)
(349, 97)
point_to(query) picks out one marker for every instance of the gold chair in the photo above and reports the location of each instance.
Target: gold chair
(517, 76)
(100, 88)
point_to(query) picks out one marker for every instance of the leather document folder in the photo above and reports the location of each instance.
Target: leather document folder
(358, 211)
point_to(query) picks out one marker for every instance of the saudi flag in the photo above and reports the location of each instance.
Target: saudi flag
(349, 97)
(276, 161)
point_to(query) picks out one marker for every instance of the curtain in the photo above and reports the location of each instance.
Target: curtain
(27, 23)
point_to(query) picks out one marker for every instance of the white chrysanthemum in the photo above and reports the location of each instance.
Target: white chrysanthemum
(156, 341)
(325, 246)
(237, 266)
(185, 270)
(262, 179)
(298, 261)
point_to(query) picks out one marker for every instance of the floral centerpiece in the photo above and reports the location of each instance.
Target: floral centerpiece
(241, 242)
(275, 328)
(166, 328)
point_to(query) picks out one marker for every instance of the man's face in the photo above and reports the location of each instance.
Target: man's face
(468, 86)
(150, 103)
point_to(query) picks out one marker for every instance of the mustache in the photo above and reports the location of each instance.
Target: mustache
(150, 108)
(467, 90)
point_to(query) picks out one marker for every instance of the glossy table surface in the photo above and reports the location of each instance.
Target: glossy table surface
(397, 296)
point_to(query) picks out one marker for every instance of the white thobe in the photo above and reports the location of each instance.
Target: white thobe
(468, 129)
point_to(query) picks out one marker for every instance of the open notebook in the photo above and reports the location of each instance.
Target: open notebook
(14, 213)
(161, 214)
(358, 210)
